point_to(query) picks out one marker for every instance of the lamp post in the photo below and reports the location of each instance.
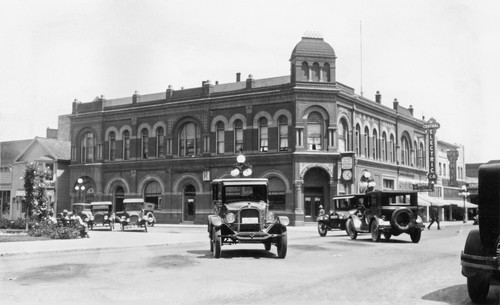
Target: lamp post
(79, 187)
(241, 168)
(465, 194)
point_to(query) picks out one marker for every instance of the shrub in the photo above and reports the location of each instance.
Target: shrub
(49, 229)
(19, 223)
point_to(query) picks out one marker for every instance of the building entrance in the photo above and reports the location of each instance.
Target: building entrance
(189, 203)
(316, 192)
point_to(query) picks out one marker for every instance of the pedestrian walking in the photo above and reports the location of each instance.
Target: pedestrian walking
(434, 217)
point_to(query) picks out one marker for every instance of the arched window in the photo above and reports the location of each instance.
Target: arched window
(87, 147)
(343, 134)
(405, 151)
(314, 131)
(316, 72)
(283, 133)
(305, 70)
(358, 140)
(126, 145)
(384, 147)
(366, 142)
(220, 135)
(375, 151)
(238, 136)
(152, 193)
(144, 143)
(392, 149)
(160, 142)
(414, 154)
(326, 72)
(263, 135)
(189, 140)
(112, 146)
(277, 194)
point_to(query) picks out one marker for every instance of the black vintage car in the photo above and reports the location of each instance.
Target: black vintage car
(103, 214)
(242, 216)
(390, 213)
(133, 215)
(480, 258)
(343, 207)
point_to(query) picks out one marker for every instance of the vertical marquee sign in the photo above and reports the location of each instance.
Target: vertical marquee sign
(431, 126)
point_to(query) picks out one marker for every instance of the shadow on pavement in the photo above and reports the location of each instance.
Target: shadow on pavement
(457, 295)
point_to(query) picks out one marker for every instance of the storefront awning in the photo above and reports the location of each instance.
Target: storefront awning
(426, 200)
(460, 204)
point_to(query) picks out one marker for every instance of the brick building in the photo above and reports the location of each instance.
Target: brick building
(309, 134)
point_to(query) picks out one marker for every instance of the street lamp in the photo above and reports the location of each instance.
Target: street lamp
(79, 187)
(465, 194)
(241, 168)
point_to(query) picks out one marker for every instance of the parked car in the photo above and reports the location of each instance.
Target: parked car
(133, 215)
(343, 207)
(103, 213)
(148, 208)
(390, 213)
(83, 210)
(242, 216)
(480, 258)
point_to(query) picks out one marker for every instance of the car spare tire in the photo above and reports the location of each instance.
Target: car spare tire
(402, 219)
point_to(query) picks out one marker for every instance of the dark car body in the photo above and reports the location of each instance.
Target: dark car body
(133, 215)
(242, 216)
(390, 212)
(343, 207)
(480, 258)
(103, 213)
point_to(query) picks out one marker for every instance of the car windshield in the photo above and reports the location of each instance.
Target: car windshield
(234, 193)
(133, 206)
(345, 204)
(79, 208)
(100, 208)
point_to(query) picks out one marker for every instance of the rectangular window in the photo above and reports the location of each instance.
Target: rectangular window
(161, 146)
(220, 141)
(169, 146)
(300, 136)
(99, 151)
(238, 147)
(313, 136)
(331, 138)
(264, 142)
(283, 136)
(388, 184)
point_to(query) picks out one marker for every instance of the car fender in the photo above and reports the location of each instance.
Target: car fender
(214, 220)
(357, 222)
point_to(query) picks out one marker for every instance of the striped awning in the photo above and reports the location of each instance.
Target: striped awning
(426, 200)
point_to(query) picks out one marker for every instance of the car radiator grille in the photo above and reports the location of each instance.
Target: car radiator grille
(134, 219)
(249, 220)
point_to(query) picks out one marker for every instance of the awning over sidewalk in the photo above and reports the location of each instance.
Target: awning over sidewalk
(460, 203)
(426, 200)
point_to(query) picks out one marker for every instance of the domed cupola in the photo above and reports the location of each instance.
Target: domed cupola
(313, 60)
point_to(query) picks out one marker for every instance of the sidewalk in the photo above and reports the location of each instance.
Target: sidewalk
(157, 235)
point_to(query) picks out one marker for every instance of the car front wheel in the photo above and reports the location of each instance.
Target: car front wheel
(351, 229)
(375, 231)
(216, 244)
(282, 245)
(415, 236)
(322, 229)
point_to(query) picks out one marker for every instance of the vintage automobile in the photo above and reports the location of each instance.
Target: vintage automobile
(480, 258)
(242, 216)
(389, 213)
(148, 208)
(344, 206)
(133, 215)
(103, 213)
(83, 210)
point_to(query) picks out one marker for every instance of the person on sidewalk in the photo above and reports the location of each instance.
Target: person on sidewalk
(434, 217)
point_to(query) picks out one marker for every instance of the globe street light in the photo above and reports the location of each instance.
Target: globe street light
(79, 188)
(241, 168)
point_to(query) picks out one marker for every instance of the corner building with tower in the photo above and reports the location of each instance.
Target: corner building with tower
(309, 134)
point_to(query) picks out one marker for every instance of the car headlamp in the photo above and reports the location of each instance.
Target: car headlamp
(419, 219)
(284, 220)
(216, 221)
(230, 217)
(105, 217)
(269, 217)
(128, 219)
(123, 218)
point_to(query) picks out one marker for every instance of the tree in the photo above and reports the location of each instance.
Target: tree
(36, 180)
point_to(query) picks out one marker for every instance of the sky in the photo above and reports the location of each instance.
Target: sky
(441, 57)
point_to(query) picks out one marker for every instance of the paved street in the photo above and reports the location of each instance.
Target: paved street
(173, 265)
